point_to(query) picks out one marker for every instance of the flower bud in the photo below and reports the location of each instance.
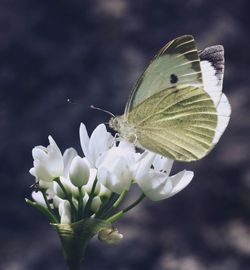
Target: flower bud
(38, 197)
(85, 198)
(79, 172)
(56, 201)
(64, 212)
(110, 236)
(96, 203)
(58, 191)
(70, 188)
(89, 185)
(104, 192)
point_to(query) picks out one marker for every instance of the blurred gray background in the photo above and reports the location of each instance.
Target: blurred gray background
(93, 52)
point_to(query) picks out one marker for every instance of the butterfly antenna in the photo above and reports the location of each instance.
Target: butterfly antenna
(91, 106)
(72, 102)
(102, 110)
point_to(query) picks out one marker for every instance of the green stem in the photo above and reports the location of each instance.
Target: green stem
(86, 212)
(105, 206)
(122, 212)
(46, 200)
(69, 198)
(44, 210)
(115, 205)
(80, 203)
(120, 198)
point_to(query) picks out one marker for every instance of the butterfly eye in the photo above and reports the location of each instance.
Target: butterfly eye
(173, 78)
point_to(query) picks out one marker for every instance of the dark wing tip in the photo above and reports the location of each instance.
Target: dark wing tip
(214, 55)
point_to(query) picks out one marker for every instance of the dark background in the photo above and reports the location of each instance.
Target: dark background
(93, 52)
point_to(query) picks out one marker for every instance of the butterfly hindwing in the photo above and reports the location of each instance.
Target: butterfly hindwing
(178, 123)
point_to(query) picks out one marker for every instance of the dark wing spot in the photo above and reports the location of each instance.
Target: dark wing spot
(173, 78)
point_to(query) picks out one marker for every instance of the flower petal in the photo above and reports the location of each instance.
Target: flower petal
(57, 201)
(39, 154)
(42, 172)
(68, 156)
(144, 164)
(161, 163)
(104, 192)
(84, 139)
(55, 159)
(151, 183)
(38, 197)
(89, 185)
(117, 177)
(96, 204)
(32, 171)
(158, 186)
(100, 141)
(65, 213)
(45, 184)
(180, 181)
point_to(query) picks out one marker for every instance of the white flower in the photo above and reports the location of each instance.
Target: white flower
(64, 212)
(98, 143)
(115, 168)
(85, 198)
(114, 164)
(48, 162)
(89, 185)
(110, 166)
(79, 172)
(156, 182)
(96, 203)
(56, 201)
(68, 155)
(69, 187)
(38, 197)
(104, 192)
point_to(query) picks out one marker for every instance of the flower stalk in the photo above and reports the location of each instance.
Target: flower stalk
(122, 212)
(91, 196)
(68, 197)
(115, 205)
(75, 238)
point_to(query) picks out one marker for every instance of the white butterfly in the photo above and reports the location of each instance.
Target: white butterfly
(177, 108)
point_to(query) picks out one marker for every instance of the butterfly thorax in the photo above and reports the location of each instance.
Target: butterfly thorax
(125, 130)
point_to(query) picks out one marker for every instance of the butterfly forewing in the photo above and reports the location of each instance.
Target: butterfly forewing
(177, 63)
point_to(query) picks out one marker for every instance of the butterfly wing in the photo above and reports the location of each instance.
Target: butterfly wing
(177, 63)
(178, 122)
(212, 67)
(174, 112)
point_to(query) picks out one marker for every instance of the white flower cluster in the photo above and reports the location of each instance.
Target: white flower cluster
(77, 187)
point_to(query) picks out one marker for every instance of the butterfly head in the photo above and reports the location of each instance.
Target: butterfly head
(125, 130)
(114, 123)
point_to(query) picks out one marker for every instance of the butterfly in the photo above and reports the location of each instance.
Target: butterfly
(177, 108)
